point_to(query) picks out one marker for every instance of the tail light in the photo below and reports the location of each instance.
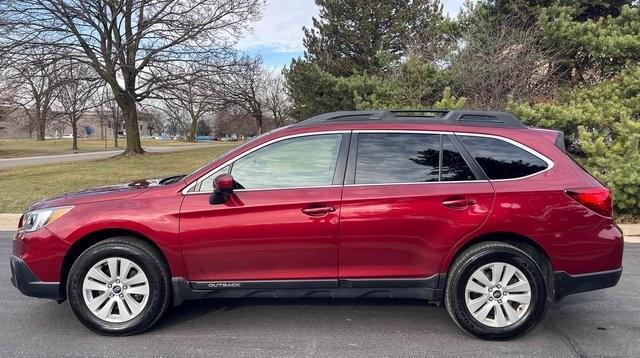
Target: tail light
(596, 199)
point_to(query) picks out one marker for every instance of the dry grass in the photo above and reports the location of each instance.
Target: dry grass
(21, 187)
(12, 148)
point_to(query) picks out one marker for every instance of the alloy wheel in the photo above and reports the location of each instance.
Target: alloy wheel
(498, 294)
(115, 289)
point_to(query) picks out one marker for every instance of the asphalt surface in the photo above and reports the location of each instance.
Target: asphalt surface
(595, 324)
(78, 157)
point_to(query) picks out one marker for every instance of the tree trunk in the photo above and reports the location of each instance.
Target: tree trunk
(193, 130)
(42, 126)
(130, 115)
(259, 120)
(74, 134)
(115, 136)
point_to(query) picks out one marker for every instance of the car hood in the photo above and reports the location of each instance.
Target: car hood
(113, 192)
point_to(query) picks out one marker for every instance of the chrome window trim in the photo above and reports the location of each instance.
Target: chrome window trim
(186, 191)
(549, 162)
(410, 131)
(422, 183)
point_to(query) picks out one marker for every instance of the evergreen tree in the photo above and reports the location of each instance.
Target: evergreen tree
(358, 36)
(596, 48)
(602, 130)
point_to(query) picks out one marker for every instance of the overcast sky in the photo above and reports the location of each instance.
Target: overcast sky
(277, 37)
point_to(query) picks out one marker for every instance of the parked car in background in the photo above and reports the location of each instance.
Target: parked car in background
(472, 210)
(70, 136)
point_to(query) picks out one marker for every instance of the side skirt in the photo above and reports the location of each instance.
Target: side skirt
(430, 289)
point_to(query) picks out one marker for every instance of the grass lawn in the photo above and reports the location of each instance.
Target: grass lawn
(11, 148)
(21, 187)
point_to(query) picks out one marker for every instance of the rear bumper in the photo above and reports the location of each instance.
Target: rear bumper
(566, 284)
(24, 280)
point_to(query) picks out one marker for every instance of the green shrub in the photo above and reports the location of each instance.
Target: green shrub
(602, 128)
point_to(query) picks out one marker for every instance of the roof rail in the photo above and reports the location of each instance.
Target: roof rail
(461, 117)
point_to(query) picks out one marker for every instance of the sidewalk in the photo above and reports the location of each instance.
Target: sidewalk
(9, 222)
(6, 163)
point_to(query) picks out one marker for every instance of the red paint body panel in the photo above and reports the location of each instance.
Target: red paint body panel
(151, 213)
(375, 231)
(261, 235)
(391, 231)
(43, 251)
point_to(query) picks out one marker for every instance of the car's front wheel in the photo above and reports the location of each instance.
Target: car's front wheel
(495, 291)
(119, 286)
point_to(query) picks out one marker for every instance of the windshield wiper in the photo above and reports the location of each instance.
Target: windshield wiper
(172, 179)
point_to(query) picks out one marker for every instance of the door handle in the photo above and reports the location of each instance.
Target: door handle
(455, 203)
(318, 210)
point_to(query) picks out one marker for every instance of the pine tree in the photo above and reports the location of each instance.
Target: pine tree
(365, 36)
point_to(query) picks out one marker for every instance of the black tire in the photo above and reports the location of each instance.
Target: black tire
(153, 266)
(474, 258)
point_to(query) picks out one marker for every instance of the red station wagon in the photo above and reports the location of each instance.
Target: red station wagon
(470, 209)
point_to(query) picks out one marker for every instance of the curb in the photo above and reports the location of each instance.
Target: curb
(9, 222)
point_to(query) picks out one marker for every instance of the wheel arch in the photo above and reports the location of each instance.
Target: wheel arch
(526, 244)
(88, 240)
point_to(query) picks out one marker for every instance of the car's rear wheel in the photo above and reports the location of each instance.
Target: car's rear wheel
(119, 286)
(495, 291)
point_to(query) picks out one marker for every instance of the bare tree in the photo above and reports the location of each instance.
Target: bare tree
(6, 94)
(75, 96)
(255, 91)
(108, 111)
(234, 121)
(34, 78)
(190, 99)
(497, 63)
(276, 101)
(129, 43)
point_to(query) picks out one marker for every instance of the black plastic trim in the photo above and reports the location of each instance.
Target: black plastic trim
(277, 284)
(341, 163)
(26, 282)
(429, 282)
(468, 158)
(430, 288)
(560, 143)
(457, 117)
(350, 174)
(566, 284)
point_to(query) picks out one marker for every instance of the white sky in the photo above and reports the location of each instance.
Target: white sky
(277, 37)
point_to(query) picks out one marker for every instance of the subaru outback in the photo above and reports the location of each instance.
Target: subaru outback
(472, 210)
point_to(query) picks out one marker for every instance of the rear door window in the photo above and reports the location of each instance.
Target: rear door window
(384, 158)
(502, 160)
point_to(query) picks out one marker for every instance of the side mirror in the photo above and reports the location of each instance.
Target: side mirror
(224, 188)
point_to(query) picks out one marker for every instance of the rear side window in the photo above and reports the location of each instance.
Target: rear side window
(502, 160)
(408, 158)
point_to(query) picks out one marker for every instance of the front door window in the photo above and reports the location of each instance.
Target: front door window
(290, 163)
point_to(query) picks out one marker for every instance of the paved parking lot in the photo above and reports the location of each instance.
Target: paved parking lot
(604, 323)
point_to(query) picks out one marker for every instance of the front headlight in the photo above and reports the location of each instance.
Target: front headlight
(37, 219)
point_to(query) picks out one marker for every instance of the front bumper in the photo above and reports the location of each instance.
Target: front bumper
(566, 284)
(24, 280)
